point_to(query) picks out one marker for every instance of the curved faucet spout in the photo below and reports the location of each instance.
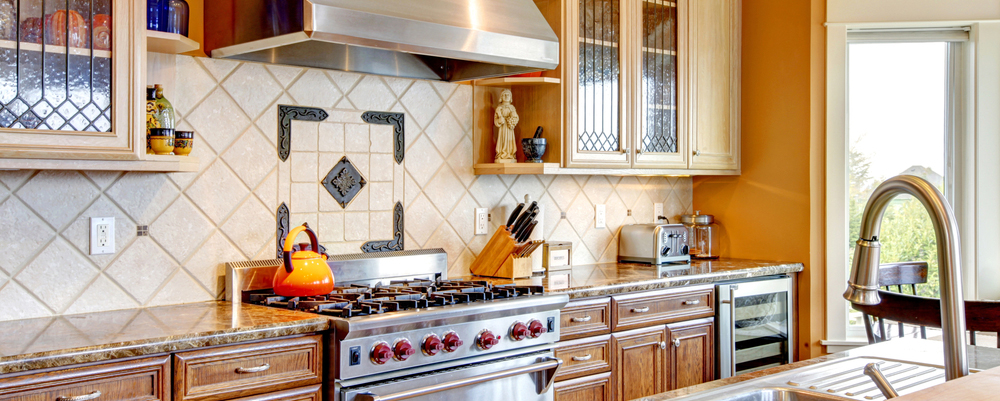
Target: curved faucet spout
(862, 286)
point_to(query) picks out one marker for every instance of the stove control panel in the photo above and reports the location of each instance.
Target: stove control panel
(432, 345)
(486, 340)
(452, 342)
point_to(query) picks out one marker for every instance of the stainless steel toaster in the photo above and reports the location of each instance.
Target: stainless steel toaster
(653, 243)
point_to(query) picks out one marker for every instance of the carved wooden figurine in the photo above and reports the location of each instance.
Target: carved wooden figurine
(506, 118)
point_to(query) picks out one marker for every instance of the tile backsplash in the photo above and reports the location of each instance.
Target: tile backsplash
(226, 210)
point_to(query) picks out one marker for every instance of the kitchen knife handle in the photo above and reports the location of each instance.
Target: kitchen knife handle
(526, 231)
(523, 222)
(513, 216)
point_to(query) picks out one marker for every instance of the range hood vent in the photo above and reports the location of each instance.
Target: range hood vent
(449, 40)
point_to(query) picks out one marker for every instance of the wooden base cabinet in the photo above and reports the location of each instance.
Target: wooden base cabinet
(640, 362)
(692, 353)
(589, 388)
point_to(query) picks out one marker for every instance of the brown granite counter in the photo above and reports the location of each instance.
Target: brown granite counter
(584, 281)
(70, 339)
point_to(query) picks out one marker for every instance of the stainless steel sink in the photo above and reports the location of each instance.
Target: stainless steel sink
(782, 394)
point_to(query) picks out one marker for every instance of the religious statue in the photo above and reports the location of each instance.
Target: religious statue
(506, 118)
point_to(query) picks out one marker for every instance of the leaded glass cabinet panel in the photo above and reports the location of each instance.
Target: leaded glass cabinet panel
(70, 73)
(659, 142)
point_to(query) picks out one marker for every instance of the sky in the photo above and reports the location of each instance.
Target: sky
(896, 104)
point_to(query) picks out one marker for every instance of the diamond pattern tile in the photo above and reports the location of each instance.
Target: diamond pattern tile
(75, 193)
(314, 89)
(217, 191)
(422, 101)
(252, 88)
(218, 120)
(57, 275)
(224, 212)
(143, 195)
(142, 268)
(180, 229)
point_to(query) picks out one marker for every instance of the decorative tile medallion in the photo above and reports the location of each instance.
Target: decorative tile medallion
(396, 243)
(344, 182)
(285, 116)
(398, 123)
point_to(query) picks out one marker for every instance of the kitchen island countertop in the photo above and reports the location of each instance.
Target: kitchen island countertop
(71, 339)
(583, 281)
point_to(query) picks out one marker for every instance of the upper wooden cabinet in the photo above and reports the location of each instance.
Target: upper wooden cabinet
(71, 92)
(645, 87)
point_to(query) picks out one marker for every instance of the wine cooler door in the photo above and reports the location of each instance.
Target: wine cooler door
(755, 325)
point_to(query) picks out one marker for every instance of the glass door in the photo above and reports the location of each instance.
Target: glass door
(658, 143)
(598, 125)
(755, 325)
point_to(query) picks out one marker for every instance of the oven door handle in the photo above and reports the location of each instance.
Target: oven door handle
(548, 367)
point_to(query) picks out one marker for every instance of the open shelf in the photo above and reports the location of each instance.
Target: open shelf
(515, 168)
(170, 43)
(38, 47)
(523, 81)
(150, 163)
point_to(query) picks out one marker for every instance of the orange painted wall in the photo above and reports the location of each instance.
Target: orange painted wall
(766, 212)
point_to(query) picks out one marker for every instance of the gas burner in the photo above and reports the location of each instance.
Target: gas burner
(357, 300)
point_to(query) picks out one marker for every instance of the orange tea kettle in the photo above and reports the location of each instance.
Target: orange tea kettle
(305, 273)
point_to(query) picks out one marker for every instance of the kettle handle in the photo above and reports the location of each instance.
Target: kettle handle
(290, 241)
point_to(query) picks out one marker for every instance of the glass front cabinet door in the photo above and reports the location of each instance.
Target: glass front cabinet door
(70, 79)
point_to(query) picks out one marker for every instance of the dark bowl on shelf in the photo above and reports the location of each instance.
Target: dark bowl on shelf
(534, 149)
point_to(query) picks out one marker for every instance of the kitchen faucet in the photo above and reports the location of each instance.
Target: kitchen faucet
(862, 286)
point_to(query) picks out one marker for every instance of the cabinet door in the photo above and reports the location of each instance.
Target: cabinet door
(692, 353)
(70, 75)
(655, 72)
(714, 84)
(640, 363)
(595, 46)
(589, 388)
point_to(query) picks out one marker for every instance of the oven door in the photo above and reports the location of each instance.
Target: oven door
(525, 377)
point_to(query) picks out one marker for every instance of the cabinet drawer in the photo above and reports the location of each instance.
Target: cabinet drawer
(247, 369)
(591, 388)
(658, 307)
(584, 357)
(307, 393)
(135, 380)
(585, 318)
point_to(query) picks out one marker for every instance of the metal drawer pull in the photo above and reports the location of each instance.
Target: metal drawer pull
(643, 309)
(677, 343)
(549, 366)
(692, 302)
(84, 397)
(581, 319)
(583, 358)
(258, 369)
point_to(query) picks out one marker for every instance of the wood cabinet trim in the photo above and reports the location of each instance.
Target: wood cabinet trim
(156, 368)
(187, 385)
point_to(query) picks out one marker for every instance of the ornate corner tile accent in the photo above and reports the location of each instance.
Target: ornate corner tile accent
(398, 123)
(396, 243)
(344, 182)
(281, 218)
(285, 116)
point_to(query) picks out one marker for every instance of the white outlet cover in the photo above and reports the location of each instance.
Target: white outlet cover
(657, 211)
(102, 235)
(482, 227)
(600, 216)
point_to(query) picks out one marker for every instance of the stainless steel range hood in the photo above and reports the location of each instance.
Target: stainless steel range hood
(450, 40)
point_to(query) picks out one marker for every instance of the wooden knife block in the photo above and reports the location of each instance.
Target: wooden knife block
(497, 259)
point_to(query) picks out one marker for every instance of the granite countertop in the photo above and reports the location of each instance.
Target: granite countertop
(907, 349)
(70, 339)
(584, 281)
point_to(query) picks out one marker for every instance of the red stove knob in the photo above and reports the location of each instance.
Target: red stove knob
(518, 331)
(433, 345)
(452, 342)
(403, 350)
(381, 353)
(486, 340)
(535, 329)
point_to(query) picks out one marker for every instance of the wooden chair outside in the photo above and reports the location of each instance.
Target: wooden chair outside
(897, 275)
(926, 312)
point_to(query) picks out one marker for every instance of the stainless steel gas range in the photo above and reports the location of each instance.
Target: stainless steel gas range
(401, 330)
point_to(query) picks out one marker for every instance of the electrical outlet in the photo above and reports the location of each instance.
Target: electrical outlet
(481, 221)
(600, 216)
(102, 235)
(657, 211)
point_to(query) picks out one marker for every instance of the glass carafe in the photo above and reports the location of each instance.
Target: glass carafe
(703, 235)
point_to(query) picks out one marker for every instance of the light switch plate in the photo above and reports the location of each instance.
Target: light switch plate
(600, 216)
(481, 221)
(102, 235)
(657, 211)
